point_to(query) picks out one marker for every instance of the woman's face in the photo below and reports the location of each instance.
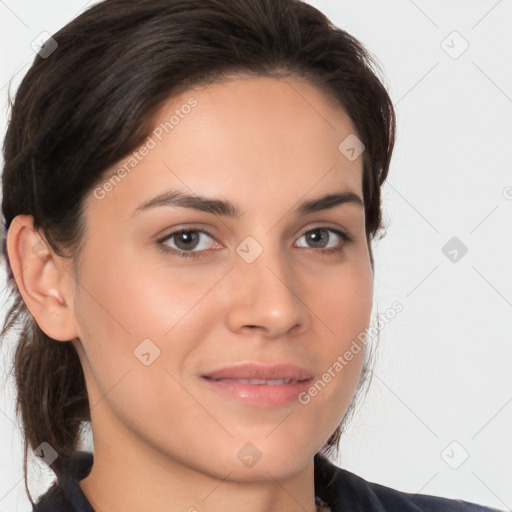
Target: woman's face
(153, 325)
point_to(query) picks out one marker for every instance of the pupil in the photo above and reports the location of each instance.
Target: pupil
(188, 236)
(315, 233)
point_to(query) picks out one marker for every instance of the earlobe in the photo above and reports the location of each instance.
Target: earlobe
(41, 279)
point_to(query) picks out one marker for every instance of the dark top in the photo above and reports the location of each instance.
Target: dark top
(338, 488)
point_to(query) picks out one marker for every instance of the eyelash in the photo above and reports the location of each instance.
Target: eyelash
(197, 254)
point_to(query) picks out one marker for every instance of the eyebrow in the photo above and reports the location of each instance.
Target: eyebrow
(227, 208)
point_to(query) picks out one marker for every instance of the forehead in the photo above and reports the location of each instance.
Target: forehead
(254, 139)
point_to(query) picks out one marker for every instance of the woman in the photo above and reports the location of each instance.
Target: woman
(191, 190)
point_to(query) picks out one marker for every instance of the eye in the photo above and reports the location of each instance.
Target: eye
(319, 237)
(185, 240)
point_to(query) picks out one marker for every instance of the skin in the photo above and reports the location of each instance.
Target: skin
(163, 441)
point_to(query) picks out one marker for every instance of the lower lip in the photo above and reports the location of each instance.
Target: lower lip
(264, 395)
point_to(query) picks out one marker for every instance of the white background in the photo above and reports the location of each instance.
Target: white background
(444, 367)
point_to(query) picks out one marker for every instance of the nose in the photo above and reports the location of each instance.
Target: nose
(265, 296)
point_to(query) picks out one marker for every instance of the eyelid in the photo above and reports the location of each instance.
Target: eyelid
(182, 229)
(334, 227)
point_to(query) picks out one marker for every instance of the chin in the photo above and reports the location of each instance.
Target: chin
(264, 459)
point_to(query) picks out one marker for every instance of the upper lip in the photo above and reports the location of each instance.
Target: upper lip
(261, 371)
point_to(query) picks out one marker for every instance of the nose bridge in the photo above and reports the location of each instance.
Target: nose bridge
(267, 293)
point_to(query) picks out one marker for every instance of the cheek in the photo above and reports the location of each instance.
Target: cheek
(131, 312)
(344, 311)
(342, 303)
(126, 301)
(125, 312)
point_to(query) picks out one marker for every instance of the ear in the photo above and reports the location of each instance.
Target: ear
(43, 279)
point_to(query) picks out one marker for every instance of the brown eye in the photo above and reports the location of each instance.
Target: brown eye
(185, 241)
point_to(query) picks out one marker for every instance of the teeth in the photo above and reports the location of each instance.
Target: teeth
(274, 382)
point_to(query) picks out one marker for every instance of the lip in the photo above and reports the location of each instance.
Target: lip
(225, 381)
(260, 371)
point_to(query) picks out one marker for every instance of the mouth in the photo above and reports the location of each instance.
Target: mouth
(260, 385)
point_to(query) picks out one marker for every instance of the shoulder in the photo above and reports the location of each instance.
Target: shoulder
(64, 494)
(344, 490)
(54, 500)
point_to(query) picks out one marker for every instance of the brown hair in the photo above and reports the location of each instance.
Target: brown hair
(91, 102)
